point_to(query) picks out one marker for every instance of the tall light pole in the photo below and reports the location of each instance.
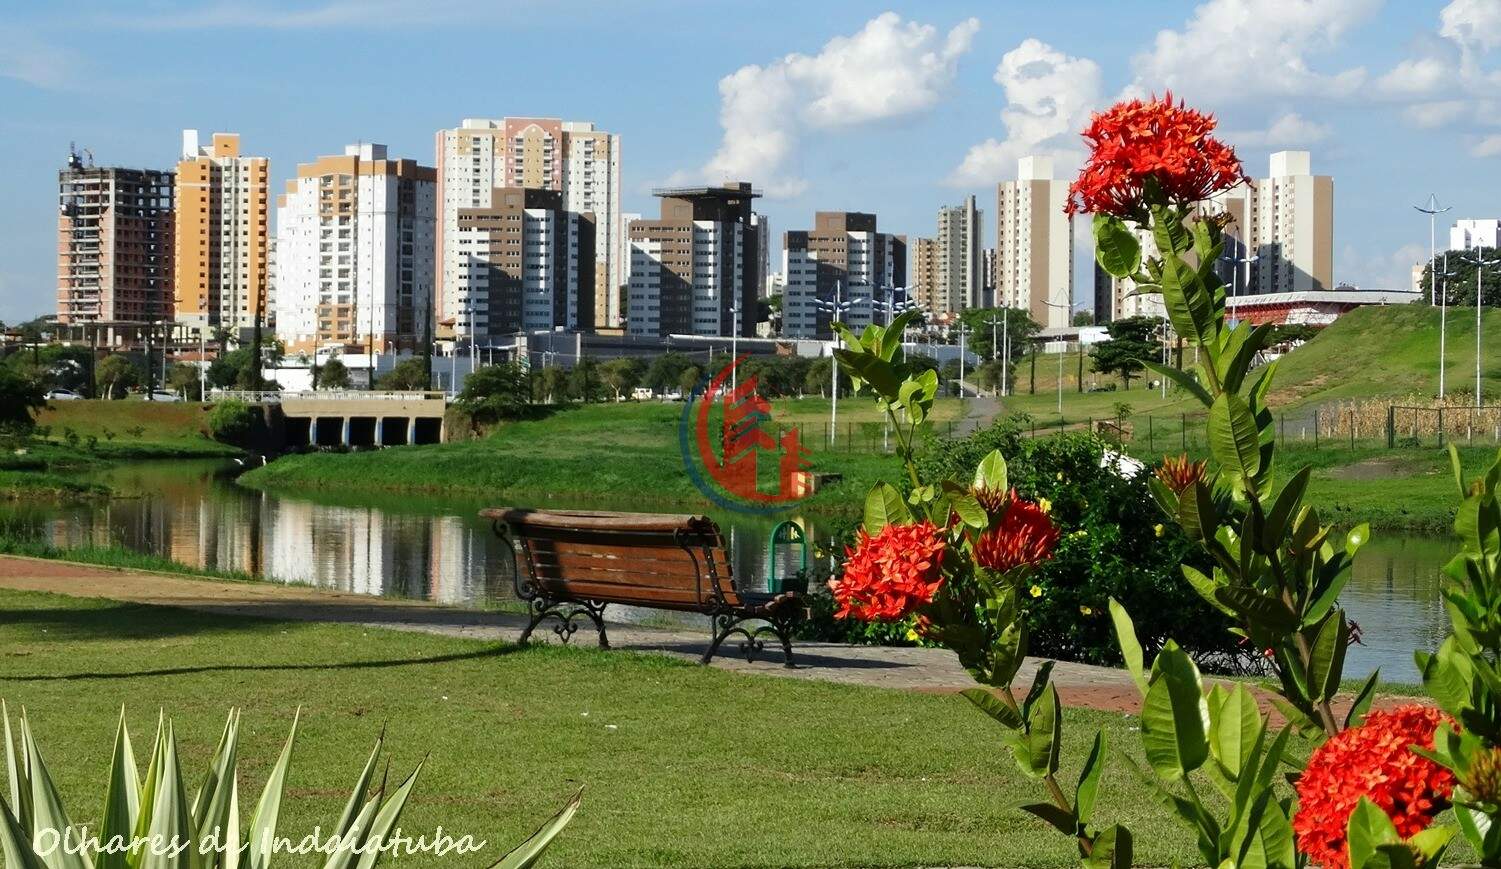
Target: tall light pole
(1480, 264)
(1443, 318)
(835, 308)
(997, 348)
(1433, 210)
(1066, 307)
(735, 349)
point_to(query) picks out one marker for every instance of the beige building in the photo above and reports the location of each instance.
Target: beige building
(842, 258)
(354, 252)
(221, 235)
(923, 273)
(1035, 244)
(574, 158)
(961, 268)
(114, 244)
(1283, 224)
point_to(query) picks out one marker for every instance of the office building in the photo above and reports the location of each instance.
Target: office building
(573, 158)
(1280, 238)
(1467, 234)
(843, 259)
(114, 243)
(696, 270)
(960, 262)
(1035, 244)
(221, 236)
(355, 252)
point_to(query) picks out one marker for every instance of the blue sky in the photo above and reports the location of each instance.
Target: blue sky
(894, 108)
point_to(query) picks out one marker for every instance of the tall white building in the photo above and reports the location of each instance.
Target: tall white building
(1035, 244)
(1466, 234)
(696, 270)
(574, 158)
(960, 260)
(355, 241)
(1284, 225)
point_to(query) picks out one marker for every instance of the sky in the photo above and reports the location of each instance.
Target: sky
(894, 108)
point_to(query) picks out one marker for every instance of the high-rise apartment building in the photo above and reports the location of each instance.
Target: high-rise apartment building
(923, 274)
(1467, 234)
(844, 259)
(221, 236)
(960, 261)
(1282, 226)
(528, 264)
(695, 264)
(1035, 244)
(354, 252)
(481, 155)
(114, 244)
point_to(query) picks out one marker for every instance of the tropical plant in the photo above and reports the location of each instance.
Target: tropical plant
(231, 421)
(150, 822)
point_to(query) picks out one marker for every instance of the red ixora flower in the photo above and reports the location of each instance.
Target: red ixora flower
(889, 575)
(1135, 140)
(1023, 536)
(1373, 760)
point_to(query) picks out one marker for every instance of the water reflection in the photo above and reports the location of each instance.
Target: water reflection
(439, 549)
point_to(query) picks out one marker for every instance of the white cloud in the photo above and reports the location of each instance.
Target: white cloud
(1417, 76)
(889, 70)
(27, 56)
(1489, 146)
(1472, 23)
(1049, 96)
(1435, 114)
(1247, 48)
(1289, 130)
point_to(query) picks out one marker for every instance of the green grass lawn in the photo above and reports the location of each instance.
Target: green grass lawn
(601, 452)
(682, 765)
(135, 429)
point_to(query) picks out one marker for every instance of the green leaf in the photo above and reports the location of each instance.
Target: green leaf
(1182, 378)
(263, 822)
(1039, 754)
(1060, 819)
(1089, 779)
(993, 706)
(1205, 587)
(122, 798)
(1233, 439)
(1234, 730)
(1265, 611)
(211, 805)
(1327, 659)
(1356, 716)
(1283, 509)
(47, 806)
(884, 506)
(385, 819)
(991, 473)
(171, 817)
(967, 506)
(16, 843)
(357, 796)
(1368, 828)
(1116, 247)
(1125, 637)
(1175, 715)
(1112, 849)
(1459, 474)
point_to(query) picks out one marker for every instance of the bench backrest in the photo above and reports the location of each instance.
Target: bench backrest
(648, 559)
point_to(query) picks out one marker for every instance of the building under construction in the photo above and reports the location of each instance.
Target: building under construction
(114, 243)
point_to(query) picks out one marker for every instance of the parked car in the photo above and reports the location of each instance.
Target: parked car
(162, 395)
(62, 395)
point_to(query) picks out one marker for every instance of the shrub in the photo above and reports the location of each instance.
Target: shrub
(20, 398)
(231, 421)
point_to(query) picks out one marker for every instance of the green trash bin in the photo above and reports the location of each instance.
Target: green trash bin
(787, 545)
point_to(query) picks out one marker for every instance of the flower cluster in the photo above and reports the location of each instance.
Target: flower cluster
(1373, 760)
(1180, 474)
(1022, 536)
(1136, 141)
(889, 575)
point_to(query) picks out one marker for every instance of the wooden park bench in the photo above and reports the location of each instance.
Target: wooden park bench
(574, 563)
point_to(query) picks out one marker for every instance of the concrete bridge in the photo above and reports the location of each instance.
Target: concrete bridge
(354, 418)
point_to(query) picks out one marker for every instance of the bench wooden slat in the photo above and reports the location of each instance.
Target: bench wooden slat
(601, 520)
(660, 573)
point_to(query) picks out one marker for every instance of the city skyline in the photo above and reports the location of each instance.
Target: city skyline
(936, 105)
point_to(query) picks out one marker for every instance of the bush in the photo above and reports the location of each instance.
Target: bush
(1113, 545)
(496, 392)
(231, 422)
(20, 398)
(407, 375)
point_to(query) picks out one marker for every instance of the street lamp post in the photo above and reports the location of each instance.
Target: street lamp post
(1060, 356)
(1433, 210)
(835, 308)
(735, 349)
(1480, 264)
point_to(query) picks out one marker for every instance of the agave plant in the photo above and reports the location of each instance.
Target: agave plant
(152, 824)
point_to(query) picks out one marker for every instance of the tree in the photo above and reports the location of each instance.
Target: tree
(230, 369)
(818, 377)
(114, 375)
(1131, 340)
(1083, 318)
(1460, 286)
(409, 374)
(553, 381)
(584, 380)
(21, 397)
(977, 320)
(496, 392)
(622, 375)
(183, 378)
(331, 375)
(689, 380)
(666, 371)
(231, 421)
(54, 366)
(988, 375)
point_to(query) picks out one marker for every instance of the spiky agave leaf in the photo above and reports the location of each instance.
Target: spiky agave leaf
(15, 844)
(16, 767)
(385, 819)
(49, 818)
(357, 797)
(355, 837)
(122, 800)
(211, 804)
(174, 842)
(529, 852)
(263, 822)
(153, 783)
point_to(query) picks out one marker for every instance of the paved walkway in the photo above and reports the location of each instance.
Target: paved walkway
(933, 670)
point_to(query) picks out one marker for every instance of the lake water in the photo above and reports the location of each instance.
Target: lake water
(439, 549)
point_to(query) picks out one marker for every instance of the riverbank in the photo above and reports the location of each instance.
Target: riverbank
(628, 453)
